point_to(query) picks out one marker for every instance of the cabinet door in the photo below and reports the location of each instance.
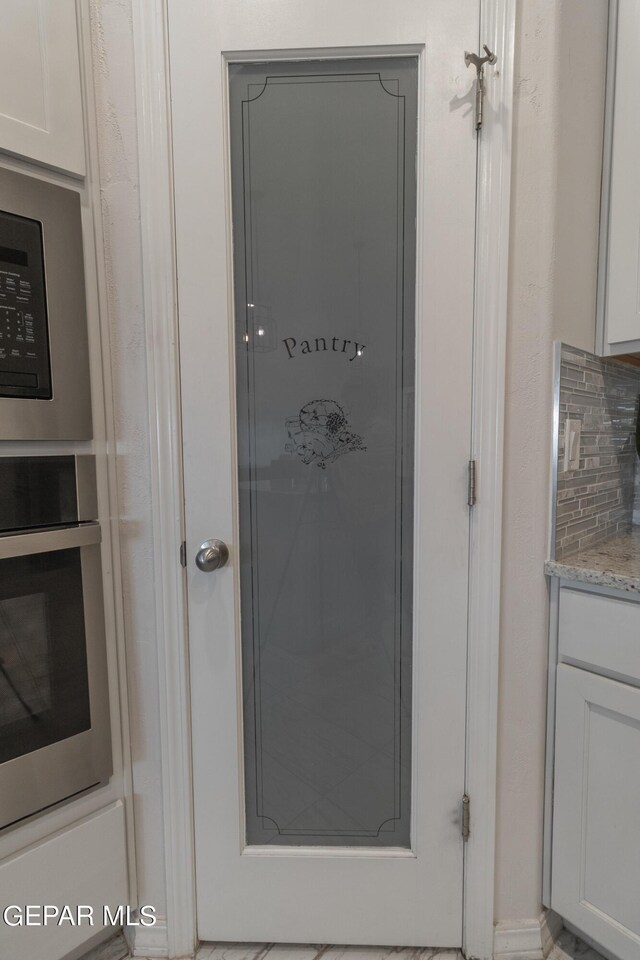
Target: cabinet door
(622, 304)
(40, 96)
(596, 828)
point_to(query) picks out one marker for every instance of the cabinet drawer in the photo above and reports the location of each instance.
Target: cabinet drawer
(600, 633)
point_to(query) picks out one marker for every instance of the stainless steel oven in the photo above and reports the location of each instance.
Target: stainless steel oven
(54, 711)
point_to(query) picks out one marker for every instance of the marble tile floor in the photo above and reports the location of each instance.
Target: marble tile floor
(566, 947)
(570, 947)
(114, 949)
(292, 951)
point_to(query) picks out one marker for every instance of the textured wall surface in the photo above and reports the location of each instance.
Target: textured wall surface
(557, 151)
(595, 501)
(115, 101)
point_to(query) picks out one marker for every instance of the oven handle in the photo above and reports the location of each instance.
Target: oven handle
(44, 541)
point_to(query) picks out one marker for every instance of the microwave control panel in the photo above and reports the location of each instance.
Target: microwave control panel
(25, 366)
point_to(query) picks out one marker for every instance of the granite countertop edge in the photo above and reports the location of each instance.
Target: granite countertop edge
(602, 578)
(614, 562)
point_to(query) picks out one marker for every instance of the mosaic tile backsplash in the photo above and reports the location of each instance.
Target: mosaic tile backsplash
(602, 497)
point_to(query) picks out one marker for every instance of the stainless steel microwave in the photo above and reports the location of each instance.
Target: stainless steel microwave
(44, 355)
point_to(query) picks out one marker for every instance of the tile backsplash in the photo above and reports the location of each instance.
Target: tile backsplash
(602, 497)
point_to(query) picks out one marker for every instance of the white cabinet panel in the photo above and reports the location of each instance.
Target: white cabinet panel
(596, 828)
(600, 633)
(85, 864)
(40, 94)
(622, 274)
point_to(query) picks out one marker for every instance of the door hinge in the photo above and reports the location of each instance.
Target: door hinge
(471, 489)
(474, 59)
(466, 821)
(183, 553)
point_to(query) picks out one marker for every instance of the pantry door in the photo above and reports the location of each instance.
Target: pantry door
(325, 166)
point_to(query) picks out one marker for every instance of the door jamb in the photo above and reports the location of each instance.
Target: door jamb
(497, 26)
(178, 937)
(175, 934)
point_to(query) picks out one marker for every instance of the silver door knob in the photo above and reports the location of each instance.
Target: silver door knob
(212, 555)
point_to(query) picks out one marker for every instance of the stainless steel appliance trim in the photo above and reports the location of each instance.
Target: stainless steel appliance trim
(56, 772)
(39, 779)
(97, 667)
(68, 415)
(44, 541)
(86, 487)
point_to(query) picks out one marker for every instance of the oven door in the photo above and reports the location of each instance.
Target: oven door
(54, 711)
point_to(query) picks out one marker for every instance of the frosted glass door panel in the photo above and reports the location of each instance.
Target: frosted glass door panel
(324, 208)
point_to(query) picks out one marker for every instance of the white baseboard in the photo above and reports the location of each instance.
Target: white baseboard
(151, 942)
(526, 939)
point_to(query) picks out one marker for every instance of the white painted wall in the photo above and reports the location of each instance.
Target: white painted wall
(558, 117)
(559, 98)
(114, 90)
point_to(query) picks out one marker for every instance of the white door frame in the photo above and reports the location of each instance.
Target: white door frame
(178, 937)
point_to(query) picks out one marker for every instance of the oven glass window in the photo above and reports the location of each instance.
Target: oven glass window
(44, 687)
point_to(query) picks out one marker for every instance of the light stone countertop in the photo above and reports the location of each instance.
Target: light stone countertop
(612, 563)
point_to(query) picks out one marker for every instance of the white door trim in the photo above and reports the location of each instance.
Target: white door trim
(175, 934)
(490, 335)
(494, 169)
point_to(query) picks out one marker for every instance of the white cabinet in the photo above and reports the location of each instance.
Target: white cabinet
(620, 243)
(595, 851)
(40, 92)
(83, 864)
(596, 827)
